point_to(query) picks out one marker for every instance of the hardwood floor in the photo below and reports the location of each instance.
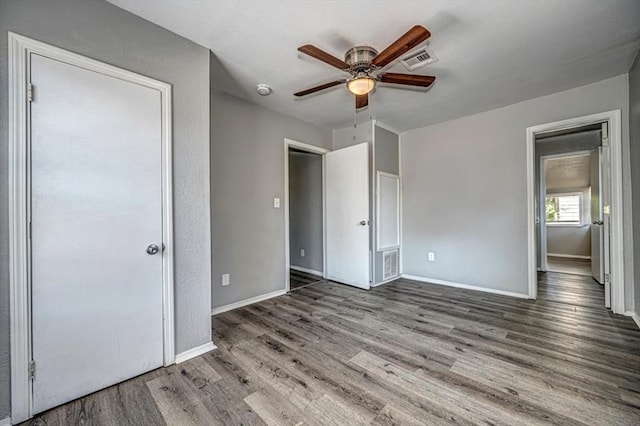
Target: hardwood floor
(299, 279)
(405, 353)
(569, 266)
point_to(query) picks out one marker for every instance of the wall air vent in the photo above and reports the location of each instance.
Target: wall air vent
(390, 264)
(418, 59)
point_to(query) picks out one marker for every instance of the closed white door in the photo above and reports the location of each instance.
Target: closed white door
(96, 209)
(347, 215)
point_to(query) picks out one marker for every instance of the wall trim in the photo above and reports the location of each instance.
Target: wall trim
(307, 270)
(614, 120)
(249, 301)
(6, 421)
(465, 286)
(379, 175)
(569, 256)
(194, 352)
(19, 49)
(633, 316)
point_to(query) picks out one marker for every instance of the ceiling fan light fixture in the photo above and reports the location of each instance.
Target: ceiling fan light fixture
(361, 85)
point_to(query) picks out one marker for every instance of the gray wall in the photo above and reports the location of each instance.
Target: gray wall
(569, 240)
(386, 159)
(247, 172)
(347, 136)
(305, 210)
(634, 128)
(104, 32)
(465, 186)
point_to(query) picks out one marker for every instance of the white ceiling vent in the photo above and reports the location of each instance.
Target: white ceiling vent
(418, 59)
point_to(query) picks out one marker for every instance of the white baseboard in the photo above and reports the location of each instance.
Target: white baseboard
(245, 302)
(569, 256)
(5, 422)
(465, 286)
(386, 281)
(634, 316)
(307, 270)
(192, 353)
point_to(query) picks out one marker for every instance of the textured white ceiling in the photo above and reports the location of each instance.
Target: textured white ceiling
(490, 53)
(568, 172)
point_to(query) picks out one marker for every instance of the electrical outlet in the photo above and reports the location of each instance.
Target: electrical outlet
(225, 279)
(276, 203)
(432, 256)
(301, 252)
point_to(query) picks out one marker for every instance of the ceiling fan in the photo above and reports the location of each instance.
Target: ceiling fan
(363, 62)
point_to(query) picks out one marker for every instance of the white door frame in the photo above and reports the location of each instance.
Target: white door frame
(613, 118)
(20, 48)
(290, 143)
(541, 208)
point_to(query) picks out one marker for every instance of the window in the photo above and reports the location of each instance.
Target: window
(564, 209)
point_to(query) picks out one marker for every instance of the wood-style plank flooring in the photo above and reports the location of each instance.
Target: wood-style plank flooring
(299, 279)
(569, 266)
(405, 353)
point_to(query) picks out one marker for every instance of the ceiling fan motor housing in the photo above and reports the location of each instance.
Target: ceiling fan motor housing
(359, 58)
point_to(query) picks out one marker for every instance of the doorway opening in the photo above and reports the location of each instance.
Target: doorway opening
(575, 204)
(570, 198)
(304, 213)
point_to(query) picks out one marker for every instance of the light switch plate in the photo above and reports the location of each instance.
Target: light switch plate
(225, 279)
(276, 203)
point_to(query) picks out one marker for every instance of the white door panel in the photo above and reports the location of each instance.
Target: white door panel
(606, 203)
(347, 206)
(95, 207)
(597, 269)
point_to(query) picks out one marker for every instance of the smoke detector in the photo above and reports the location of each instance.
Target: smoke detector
(263, 90)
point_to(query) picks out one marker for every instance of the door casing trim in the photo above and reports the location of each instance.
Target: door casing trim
(20, 48)
(614, 120)
(290, 143)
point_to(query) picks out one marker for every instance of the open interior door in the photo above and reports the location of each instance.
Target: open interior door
(597, 221)
(605, 192)
(347, 215)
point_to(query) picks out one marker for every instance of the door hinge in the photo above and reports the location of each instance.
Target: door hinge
(605, 134)
(32, 369)
(29, 92)
(607, 277)
(29, 232)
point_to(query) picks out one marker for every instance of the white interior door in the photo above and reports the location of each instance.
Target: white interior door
(347, 215)
(605, 191)
(96, 208)
(597, 269)
(597, 222)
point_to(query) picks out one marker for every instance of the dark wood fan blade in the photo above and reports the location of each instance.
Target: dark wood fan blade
(362, 101)
(318, 88)
(323, 56)
(411, 39)
(407, 79)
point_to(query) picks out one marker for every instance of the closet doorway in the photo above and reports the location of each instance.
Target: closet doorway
(304, 211)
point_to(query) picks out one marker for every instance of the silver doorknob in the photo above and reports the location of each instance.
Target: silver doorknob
(153, 249)
(363, 222)
(598, 222)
